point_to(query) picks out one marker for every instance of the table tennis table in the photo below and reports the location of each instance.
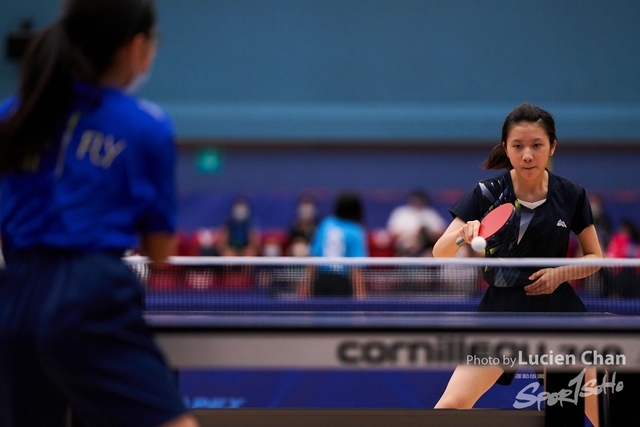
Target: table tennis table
(390, 341)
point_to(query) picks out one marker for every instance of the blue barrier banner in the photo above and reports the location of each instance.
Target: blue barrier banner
(213, 389)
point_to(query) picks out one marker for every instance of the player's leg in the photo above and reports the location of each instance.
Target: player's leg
(467, 385)
(591, 402)
(182, 421)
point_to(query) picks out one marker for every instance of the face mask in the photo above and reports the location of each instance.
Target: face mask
(272, 250)
(240, 212)
(137, 82)
(307, 211)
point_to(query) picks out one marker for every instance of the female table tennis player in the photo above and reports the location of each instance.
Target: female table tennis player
(85, 168)
(548, 207)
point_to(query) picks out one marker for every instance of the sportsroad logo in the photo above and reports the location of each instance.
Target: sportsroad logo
(527, 397)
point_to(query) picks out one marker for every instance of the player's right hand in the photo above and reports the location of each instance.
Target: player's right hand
(469, 230)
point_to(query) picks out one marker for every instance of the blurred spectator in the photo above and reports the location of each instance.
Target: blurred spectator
(304, 227)
(207, 238)
(339, 235)
(415, 226)
(381, 243)
(601, 221)
(298, 247)
(239, 235)
(625, 243)
(306, 220)
(188, 244)
(273, 243)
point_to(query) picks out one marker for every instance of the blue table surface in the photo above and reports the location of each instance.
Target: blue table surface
(208, 302)
(560, 322)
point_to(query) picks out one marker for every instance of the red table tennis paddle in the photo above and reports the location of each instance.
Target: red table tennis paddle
(493, 221)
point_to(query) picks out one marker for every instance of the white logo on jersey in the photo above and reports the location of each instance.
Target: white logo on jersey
(561, 223)
(101, 148)
(334, 244)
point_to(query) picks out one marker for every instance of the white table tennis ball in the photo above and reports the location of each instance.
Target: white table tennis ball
(478, 244)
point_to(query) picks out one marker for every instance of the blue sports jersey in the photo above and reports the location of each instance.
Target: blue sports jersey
(108, 177)
(338, 237)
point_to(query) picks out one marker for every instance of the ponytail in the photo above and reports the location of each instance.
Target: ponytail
(497, 159)
(79, 46)
(44, 98)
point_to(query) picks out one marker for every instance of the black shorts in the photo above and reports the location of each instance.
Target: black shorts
(72, 335)
(332, 285)
(563, 299)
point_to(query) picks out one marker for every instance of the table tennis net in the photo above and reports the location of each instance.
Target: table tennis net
(206, 284)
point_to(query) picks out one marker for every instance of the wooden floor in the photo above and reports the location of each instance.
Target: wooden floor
(368, 418)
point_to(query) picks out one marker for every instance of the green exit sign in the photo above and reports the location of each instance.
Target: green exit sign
(209, 161)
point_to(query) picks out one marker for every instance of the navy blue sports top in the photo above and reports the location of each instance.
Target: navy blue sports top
(108, 176)
(542, 232)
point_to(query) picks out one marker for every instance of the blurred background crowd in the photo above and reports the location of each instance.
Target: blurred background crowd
(410, 230)
(280, 106)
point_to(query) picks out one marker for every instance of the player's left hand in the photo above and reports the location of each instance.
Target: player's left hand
(545, 281)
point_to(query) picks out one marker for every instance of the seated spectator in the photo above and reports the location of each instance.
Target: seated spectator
(339, 235)
(239, 235)
(625, 243)
(380, 243)
(207, 239)
(601, 221)
(415, 226)
(303, 227)
(298, 247)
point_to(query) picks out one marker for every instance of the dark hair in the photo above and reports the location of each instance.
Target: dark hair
(241, 199)
(632, 229)
(419, 194)
(523, 113)
(306, 198)
(80, 45)
(349, 206)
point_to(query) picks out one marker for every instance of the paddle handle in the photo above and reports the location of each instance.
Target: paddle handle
(459, 241)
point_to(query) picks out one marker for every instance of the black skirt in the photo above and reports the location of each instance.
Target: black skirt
(332, 285)
(563, 299)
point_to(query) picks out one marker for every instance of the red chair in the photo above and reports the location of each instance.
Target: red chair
(381, 243)
(274, 242)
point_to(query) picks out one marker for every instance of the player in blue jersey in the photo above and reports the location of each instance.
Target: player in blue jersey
(548, 208)
(86, 168)
(339, 235)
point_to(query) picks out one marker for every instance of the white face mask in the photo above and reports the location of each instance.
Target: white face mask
(272, 250)
(307, 211)
(240, 212)
(137, 82)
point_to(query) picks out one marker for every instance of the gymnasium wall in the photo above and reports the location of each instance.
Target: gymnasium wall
(381, 95)
(383, 69)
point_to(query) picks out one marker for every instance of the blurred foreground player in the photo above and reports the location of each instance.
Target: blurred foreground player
(548, 208)
(86, 167)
